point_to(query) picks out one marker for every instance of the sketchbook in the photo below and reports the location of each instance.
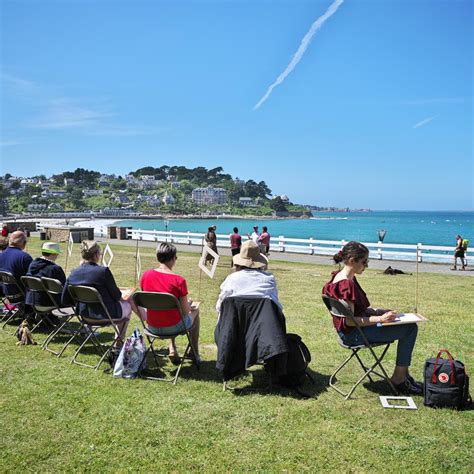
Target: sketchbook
(406, 318)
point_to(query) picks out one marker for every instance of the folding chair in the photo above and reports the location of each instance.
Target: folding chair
(341, 309)
(162, 302)
(13, 302)
(90, 296)
(42, 312)
(54, 288)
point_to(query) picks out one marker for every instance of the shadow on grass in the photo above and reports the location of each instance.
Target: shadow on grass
(261, 385)
(256, 381)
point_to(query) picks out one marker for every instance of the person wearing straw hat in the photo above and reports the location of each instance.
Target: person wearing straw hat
(250, 278)
(45, 266)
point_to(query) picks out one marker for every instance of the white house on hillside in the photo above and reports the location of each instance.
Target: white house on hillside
(209, 195)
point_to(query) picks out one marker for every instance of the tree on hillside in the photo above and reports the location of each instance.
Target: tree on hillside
(277, 204)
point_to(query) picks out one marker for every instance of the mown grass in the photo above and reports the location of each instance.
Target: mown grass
(58, 417)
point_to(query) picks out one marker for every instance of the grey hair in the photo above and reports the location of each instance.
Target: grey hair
(165, 252)
(17, 239)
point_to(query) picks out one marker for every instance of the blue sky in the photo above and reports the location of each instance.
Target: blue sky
(377, 113)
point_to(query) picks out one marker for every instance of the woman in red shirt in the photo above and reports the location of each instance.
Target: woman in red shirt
(344, 285)
(169, 322)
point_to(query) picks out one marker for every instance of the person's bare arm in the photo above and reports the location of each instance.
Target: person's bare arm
(373, 318)
(185, 304)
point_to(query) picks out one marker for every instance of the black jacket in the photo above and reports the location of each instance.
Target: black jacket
(250, 330)
(40, 267)
(101, 278)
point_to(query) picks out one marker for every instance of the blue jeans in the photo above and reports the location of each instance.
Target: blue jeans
(404, 333)
(172, 330)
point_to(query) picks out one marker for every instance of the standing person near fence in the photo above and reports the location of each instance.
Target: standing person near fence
(235, 243)
(459, 252)
(254, 235)
(211, 242)
(264, 241)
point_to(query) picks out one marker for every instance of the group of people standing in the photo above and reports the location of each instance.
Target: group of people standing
(262, 240)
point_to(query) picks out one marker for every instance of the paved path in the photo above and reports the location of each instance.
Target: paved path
(409, 267)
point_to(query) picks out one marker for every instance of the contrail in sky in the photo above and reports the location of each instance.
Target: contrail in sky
(301, 50)
(424, 121)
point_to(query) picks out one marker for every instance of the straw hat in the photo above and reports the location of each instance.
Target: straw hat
(250, 256)
(51, 247)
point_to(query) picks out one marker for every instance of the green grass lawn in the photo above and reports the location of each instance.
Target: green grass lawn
(55, 416)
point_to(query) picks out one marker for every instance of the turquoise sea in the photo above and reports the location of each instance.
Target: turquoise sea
(402, 227)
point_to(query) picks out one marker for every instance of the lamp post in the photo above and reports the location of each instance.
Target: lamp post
(381, 235)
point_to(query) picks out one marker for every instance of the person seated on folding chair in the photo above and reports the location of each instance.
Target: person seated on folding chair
(45, 266)
(91, 273)
(164, 280)
(344, 285)
(16, 261)
(250, 278)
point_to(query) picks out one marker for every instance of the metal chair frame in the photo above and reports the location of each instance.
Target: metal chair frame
(53, 288)
(34, 285)
(89, 295)
(17, 299)
(160, 302)
(341, 309)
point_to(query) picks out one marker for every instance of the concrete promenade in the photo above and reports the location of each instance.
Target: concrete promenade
(409, 267)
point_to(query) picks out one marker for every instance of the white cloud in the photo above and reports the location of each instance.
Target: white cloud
(57, 112)
(65, 114)
(425, 121)
(9, 143)
(305, 42)
(439, 101)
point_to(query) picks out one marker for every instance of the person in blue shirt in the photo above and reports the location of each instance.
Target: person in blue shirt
(15, 260)
(91, 273)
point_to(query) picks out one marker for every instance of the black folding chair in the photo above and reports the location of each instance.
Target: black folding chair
(163, 302)
(341, 309)
(54, 289)
(13, 300)
(90, 296)
(41, 312)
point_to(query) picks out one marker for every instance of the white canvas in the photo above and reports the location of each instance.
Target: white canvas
(107, 256)
(409, 406)
(208, 271)
(70, 244)
(138, 265)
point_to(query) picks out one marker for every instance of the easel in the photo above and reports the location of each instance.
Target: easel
(70, 245)
(136, 266)
(416, 279)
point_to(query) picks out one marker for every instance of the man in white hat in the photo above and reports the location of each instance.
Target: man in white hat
(45, 266)
(250, 278)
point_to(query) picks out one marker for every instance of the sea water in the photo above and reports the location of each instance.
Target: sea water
(401, 227)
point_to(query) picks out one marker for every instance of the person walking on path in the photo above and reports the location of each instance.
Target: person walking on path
(459, 252)
(235, 243)
(211, 242)
(264, 241)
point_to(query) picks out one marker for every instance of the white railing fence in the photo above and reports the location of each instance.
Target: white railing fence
(378, 250)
